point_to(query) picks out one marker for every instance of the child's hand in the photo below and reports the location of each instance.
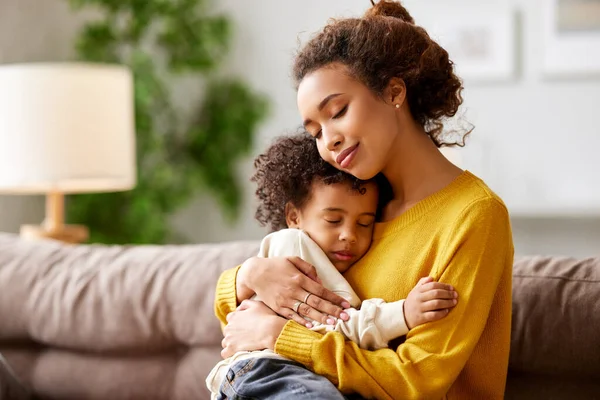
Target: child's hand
(428, 301)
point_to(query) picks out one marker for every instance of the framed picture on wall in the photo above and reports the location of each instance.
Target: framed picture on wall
(481, 41)
(571, 37)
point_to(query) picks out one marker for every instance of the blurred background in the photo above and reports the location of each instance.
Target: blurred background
(531, 70)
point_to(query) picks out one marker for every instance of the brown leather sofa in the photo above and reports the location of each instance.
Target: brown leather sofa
(136, 322)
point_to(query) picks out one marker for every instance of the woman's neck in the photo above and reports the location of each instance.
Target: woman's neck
(416, 170)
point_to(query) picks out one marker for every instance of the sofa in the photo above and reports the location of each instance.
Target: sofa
(136, 322)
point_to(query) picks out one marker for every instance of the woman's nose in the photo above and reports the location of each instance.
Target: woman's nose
(333, 140)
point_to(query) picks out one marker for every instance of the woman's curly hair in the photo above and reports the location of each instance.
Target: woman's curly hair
(384, 44)
(285, 174)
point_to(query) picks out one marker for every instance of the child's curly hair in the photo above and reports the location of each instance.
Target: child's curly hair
(285, 173)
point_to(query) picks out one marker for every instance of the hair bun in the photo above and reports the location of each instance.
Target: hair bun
(389, 8)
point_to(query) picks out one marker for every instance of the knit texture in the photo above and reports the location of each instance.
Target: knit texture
(225, 295)
(460, 235)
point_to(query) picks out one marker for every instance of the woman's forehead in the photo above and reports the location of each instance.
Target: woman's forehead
(319, 84)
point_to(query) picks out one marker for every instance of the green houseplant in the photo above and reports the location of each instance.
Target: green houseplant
(159, 40)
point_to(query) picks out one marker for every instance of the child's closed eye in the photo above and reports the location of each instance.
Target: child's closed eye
(366, 222)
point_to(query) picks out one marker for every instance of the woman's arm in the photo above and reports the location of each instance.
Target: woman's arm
(376, 322)
(232, 290)
(279, 282)
(433, 356)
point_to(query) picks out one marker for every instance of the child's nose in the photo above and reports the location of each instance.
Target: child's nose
(348, 235)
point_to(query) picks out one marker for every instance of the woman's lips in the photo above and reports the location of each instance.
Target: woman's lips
(345, 157)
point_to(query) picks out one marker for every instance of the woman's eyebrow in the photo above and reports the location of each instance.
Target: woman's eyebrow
(322, 105)
(324, 102)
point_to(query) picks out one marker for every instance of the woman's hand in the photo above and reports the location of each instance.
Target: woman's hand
(286, 284)
(428, 302)
(252, 326)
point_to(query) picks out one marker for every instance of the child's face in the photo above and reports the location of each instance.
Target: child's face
(339, 219)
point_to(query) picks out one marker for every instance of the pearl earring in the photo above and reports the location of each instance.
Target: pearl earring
(397, 105)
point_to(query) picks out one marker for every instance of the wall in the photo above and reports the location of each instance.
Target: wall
(542, 126)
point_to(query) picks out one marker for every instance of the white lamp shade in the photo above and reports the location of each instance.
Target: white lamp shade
(66, 127)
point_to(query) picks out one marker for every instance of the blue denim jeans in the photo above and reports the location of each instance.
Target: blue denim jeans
(275, 379)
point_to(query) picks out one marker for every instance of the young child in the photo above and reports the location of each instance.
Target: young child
(326, 217)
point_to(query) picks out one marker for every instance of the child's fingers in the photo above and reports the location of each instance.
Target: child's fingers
(438, 294)
(435, 315)
(435, 285)
(434, 305)
(424, 280)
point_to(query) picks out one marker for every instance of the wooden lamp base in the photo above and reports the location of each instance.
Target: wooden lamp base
(53, 226)
(67, 233)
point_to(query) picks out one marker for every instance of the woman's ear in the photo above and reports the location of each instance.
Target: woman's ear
(396, 92)
(292, 216)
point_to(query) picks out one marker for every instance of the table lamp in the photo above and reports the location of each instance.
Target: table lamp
(65, 128)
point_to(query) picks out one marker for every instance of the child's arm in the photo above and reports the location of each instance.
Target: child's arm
(373, 325)
(378, 322)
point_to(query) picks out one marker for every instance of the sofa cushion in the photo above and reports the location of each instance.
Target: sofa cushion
(10, 386)
(556, 316)
(176, 374)
(112, 298)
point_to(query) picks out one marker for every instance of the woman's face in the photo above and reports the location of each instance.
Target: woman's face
(354, 128)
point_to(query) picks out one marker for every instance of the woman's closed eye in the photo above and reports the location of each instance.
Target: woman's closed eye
(341, 112)
(333, 221)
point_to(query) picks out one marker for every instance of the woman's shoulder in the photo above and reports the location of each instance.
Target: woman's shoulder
(475, 196)
(475, 204)
(475, 215)
(462, 204)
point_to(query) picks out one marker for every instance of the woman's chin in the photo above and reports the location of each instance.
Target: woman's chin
(364, 174)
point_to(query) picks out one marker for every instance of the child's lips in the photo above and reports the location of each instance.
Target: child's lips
(343, 255)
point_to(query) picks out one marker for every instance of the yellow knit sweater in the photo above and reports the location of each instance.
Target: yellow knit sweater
(460, 235)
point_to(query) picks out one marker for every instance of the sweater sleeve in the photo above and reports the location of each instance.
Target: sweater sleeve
(373, 325)
(478, 251)
(225, 295)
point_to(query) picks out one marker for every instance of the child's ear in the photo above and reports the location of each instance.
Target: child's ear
(292, 216)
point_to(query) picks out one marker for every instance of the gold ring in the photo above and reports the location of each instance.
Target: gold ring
(306, 298)
(296, 306)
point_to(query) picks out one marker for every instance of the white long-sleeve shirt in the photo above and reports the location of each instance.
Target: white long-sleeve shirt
(371, 327)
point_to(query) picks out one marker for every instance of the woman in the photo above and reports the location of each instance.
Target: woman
(373, 92)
